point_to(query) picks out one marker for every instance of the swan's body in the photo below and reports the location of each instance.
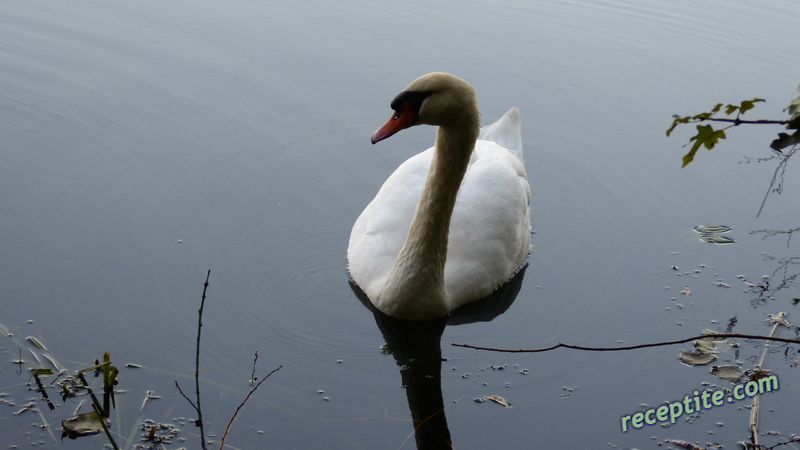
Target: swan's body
(452, 223)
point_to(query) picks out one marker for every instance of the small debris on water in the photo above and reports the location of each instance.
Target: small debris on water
(497, 399)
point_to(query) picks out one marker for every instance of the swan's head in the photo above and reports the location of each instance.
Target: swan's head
(433, 99)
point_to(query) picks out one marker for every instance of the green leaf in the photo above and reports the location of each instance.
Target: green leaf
(729, 109)
(677, 121)
(689, 157)
(707, 136)
(794, 123)
(794, 106)
(748, 104)
(785, 140)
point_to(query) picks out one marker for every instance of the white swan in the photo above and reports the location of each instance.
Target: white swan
(424, 247)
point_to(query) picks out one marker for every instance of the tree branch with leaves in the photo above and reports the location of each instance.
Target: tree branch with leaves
(708, 136)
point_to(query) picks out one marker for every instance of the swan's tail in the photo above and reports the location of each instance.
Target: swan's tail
(506, 132)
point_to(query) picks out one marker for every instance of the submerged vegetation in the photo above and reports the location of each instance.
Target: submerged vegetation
(57, 388)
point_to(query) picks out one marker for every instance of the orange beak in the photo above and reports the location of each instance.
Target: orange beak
(400, 120)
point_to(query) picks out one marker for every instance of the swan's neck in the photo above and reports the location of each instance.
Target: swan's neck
(415, 285)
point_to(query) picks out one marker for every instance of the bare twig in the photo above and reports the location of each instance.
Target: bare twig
(778, 170)
(42, 391)
(253, 373)
(178, 387)
(632, 347)
(738, 121)
(780, 444)
(196, 406)
(241, 405)
(772, 233)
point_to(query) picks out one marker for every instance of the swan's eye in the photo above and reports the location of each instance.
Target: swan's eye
(410, 99)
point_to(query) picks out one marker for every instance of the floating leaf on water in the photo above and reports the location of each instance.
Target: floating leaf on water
(778, 318)
(85, 424)
(36, 342)
(710, 335)
(730, 373)
(497, 399)
(697, 358)
(716, 239)
(710, 233)
(705, 345)
(684, 444)
(709, 229)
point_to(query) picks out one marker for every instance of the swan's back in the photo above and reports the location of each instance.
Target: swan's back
(490, 231)
(490, 228)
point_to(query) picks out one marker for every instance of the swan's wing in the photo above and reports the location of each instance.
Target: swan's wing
(507, 132)
(491, 229)
(380, 231)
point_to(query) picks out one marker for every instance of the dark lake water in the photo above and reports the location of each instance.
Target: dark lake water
(144, 143)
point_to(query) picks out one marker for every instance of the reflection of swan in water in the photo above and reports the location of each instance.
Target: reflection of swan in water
(452, 223)
(416, 348)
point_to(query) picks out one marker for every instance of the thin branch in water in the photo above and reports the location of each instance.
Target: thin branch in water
(779, 321)
(780, 444)
(631, 347)
(178, 386)
(197, 360)
(737, 121)
(778, 170)
(772, 233)
(241, 405)
(196, 406)
(253, 373)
